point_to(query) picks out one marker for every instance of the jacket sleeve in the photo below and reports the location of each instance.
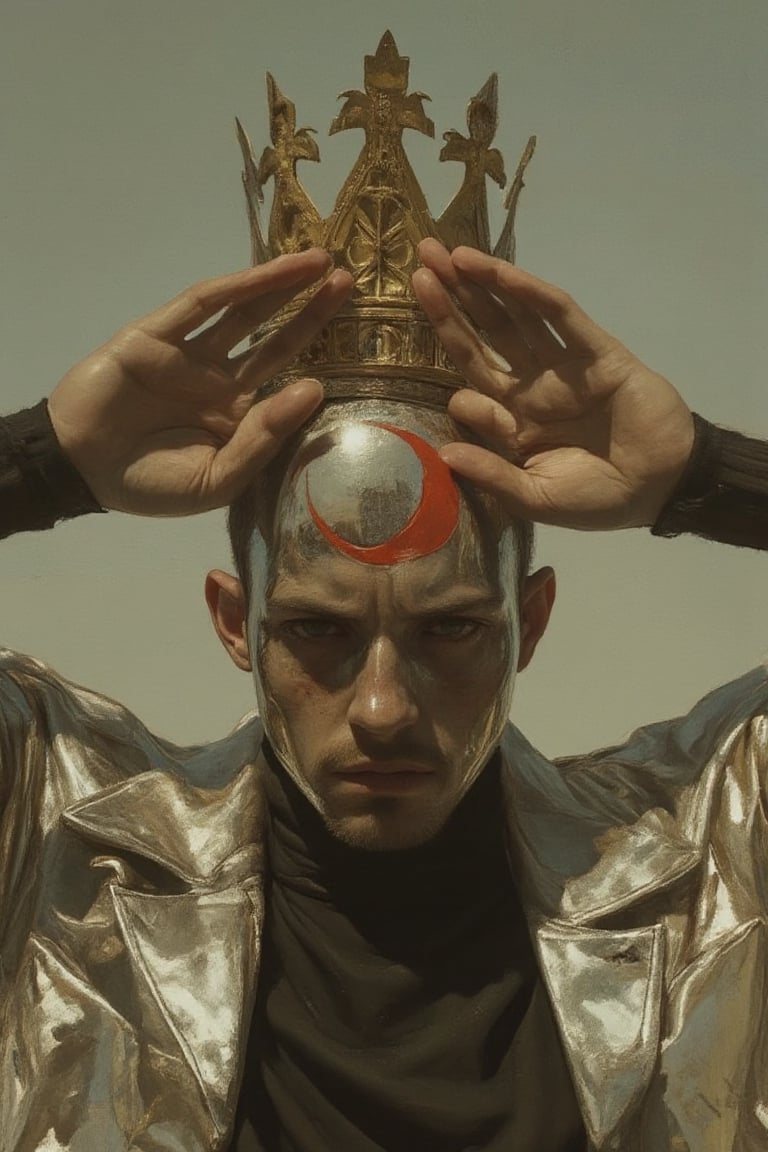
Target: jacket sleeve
(38, 484)
(723, 493)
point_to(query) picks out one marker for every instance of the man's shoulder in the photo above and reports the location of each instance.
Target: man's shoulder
(89, 741)
(606, 821)
(679, 747)
(656, 763)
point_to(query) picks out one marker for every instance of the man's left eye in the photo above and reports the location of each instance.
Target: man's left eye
(453, 628)
(313, 629)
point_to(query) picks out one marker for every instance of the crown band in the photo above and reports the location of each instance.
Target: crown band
(407, 390)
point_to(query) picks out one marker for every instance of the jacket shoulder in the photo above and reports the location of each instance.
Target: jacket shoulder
(660, 760)
(85, 741)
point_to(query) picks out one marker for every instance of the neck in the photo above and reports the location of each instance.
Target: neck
(307, 857)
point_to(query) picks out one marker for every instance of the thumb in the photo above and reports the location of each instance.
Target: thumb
(259, 437)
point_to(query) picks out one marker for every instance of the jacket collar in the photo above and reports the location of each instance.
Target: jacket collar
(201, 824)
(581, 854)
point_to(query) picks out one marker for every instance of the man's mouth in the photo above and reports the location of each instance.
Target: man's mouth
(385, 768)
(387, 777)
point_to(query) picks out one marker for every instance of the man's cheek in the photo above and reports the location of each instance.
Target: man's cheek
(288, 688)
(299, 695)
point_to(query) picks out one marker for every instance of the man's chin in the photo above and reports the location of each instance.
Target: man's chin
(375, 832)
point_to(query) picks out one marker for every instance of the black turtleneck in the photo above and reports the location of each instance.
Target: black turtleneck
(399, 1005)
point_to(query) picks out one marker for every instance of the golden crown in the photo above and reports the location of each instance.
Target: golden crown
(381, 340)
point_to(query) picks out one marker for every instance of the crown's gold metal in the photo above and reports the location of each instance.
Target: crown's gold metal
(380, 343)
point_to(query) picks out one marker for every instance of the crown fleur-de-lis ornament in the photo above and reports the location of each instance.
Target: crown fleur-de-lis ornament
(295, 223)
(465, 220)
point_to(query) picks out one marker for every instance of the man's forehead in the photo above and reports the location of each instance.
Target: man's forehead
(373, 489)
(425, 585)
(366, 492)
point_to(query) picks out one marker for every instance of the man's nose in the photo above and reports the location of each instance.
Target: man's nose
(383, 702)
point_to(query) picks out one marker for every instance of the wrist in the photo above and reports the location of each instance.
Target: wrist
(723, 491)
(40, 485)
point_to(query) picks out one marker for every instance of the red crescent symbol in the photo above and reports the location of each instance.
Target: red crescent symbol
(431, 525)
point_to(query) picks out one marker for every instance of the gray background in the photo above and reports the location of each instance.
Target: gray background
(646, 200)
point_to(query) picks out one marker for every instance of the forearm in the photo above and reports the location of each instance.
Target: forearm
(723, 493)
(38, 484)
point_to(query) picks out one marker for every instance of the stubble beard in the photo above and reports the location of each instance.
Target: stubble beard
(387, 826)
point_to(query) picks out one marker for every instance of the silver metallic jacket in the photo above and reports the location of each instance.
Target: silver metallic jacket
(132, 880)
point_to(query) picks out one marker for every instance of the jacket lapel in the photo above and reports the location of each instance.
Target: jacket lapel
(192, 935)
(579, 864)
(199, 835)
(717, 999)
(196, 961)
(605, 988)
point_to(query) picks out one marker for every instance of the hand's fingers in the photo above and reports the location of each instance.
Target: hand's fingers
(514, 286)
(436, 256)
(501, 328)
(491, 421)
(462, 343)
(517, 491)
(256, 366)
(523, 340)
(187, 311)
(238, 322)
(259, 437)
(549, 412)
(513, 330)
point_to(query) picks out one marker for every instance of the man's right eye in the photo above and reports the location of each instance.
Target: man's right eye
(313, 628)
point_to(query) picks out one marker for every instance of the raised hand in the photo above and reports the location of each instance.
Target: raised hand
(161, 421)
(581, 434)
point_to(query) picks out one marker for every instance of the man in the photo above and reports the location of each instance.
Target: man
(382, 920)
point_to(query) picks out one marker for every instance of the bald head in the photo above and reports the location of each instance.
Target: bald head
(363, 479)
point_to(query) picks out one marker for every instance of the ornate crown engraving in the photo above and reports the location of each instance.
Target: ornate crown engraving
(381, 340)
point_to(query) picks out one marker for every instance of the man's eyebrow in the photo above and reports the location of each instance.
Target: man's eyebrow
(321, 605)
(457, 602)
(453, 603)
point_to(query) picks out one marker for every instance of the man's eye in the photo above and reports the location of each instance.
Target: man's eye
(453, 628)
(313, 629)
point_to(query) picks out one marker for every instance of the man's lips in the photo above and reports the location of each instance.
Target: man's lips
(392, 776)
(382, 768)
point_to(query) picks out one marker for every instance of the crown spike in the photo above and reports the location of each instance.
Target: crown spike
(254, 197)
(465, 220)
(387, 70)
(381, 214)
(483, 112)
(506, 245)
(294, 223)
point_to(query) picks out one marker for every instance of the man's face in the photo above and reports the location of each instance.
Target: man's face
(383, 684)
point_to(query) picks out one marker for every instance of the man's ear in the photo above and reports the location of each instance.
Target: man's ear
(535, 608)
(225, 597)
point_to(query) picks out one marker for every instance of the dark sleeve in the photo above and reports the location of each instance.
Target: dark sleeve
(38, 485)
(723, 493)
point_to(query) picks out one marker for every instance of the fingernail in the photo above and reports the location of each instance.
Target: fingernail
(449, 452)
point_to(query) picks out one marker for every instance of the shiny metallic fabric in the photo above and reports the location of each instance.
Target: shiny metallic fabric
(132, 880)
